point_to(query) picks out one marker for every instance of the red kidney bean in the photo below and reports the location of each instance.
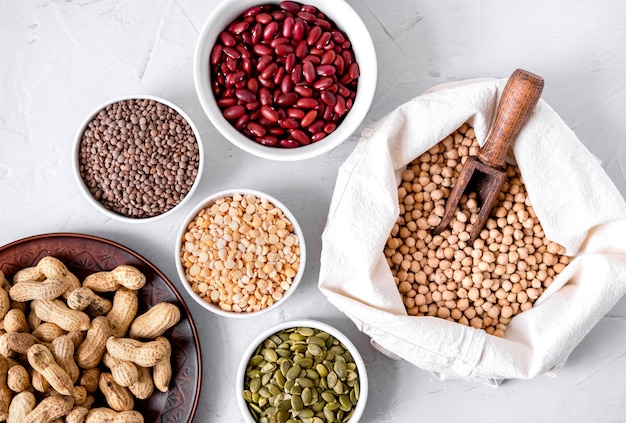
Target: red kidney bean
(289, 123)
(265, 97)
(256, 33)
(263, 18)
(226, 101)
(278, 41)
(253, 85)
(262, 49)
(318, 136)
(234, 112)
(301, 49)
(354, 71)
(316, 126)
(246, 65)
(296, 74)
(337, 36)
(253, 105)
(242, 122)
(328, 113)
(231, 64)
(313, 35)
(340, 106)
(286, 85)
(288, 27)
(245, 95)
(287, 99)
(269, 71)
(313, 58)
(290, 61)
(306, 103)
(328, 57)
(252, 11)
(239, 27)
(269, 113)
(287, 143)
(309, 118)
(283, 75)
(300, 136)
(325, 70)
(270, 140)
(308, 71)
(295, 113)
(283, 49)
(264, 62)
(330, 127)
(323, 83)
(232, 52)
(303, 90)
(290, 6)
(270, 30)
(256, 129)
(299, 29)
(306, 16)
(227, 39)
(216, 54)
(328, 98)
(276, 131)
(323, 40)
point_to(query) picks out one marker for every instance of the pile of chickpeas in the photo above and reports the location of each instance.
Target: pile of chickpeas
(482, 285)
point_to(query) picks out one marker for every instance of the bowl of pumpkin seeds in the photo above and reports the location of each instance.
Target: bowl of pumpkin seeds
(301, 371)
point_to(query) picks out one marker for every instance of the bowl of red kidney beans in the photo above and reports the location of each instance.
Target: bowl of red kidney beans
(285, 80)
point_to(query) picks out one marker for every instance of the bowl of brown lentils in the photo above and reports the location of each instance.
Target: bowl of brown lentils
(137, 159)
(285, 80)
(302, 370)
(240, 253)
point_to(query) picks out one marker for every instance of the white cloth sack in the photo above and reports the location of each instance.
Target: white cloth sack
(575, 201)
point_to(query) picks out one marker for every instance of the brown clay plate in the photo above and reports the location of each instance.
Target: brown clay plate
(85, 254)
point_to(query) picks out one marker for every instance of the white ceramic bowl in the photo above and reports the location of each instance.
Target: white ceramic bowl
(207, 202)
(346, 19)
(85, 190)
(258, 340)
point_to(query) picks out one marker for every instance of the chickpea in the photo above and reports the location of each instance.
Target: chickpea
(481, 285)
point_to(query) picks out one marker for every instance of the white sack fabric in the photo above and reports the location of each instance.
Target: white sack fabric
(575, 201)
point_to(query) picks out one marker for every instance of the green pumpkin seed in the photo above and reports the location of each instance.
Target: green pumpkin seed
(270, 355)
(340, 368)
(329, 397)
(314, 349)
(301, 374)
(321, 370)
(304, 331)
(296, 403)
(307, 396)
(293, 372)
(305, 382)
(268, 368)
(255, 384)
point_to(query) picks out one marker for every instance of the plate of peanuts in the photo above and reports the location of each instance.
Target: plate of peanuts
(92, 332)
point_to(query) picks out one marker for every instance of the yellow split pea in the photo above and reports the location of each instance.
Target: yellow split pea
(240, 253)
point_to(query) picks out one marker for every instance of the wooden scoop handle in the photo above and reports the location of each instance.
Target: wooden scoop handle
(520, 96)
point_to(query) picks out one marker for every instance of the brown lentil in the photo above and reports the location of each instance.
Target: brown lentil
(241, 253)
(138, 157)
(283, 74)
(485, 284)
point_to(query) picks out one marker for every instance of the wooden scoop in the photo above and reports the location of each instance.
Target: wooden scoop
(485, 173)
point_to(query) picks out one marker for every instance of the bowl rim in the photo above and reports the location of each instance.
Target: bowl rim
(210, 200)
(365, 54)
(76, 162)
(312, 323)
